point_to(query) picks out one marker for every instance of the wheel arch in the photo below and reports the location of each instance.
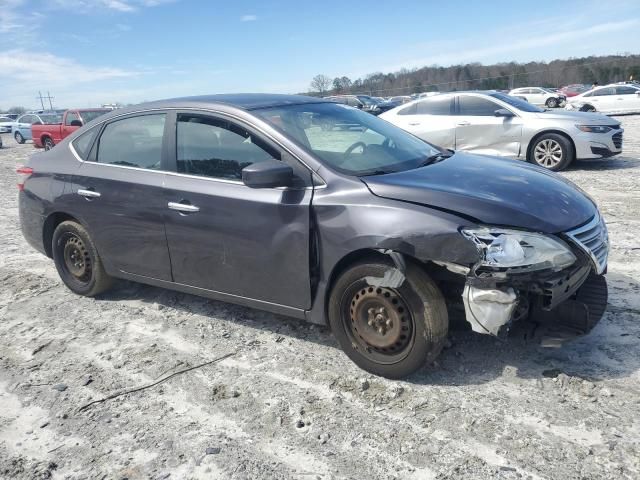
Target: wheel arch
(544, 132)
(51, 222)
(372, 254)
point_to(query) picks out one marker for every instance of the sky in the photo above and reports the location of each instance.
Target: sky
(90, 52)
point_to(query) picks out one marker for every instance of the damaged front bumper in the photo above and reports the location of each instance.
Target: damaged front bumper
(575, 296)
(556, 298)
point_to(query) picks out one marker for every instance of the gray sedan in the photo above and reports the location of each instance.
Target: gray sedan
(248, 199)
(493, 123)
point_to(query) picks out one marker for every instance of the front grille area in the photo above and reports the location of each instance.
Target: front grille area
(593, 238)
(617, 139)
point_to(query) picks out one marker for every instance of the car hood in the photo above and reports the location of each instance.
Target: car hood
(492, 191)
(588, 118)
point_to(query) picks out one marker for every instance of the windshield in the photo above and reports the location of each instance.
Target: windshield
(88, 115)
(516, 102)
(51, 119)
(349, 140)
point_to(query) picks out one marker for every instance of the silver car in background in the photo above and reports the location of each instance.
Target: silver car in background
(493, 123)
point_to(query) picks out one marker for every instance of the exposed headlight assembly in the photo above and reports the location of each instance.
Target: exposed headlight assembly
(520, 251)
(594, 128)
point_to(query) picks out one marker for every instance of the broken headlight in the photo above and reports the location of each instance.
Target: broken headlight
(520, 251)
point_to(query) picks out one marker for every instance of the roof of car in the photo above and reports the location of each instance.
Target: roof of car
(247, 101)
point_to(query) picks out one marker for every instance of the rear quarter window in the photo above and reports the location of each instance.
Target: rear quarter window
(82, 144)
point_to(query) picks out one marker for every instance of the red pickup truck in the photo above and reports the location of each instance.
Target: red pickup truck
(46, 136)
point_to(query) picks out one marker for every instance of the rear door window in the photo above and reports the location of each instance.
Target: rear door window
(133, 142)
(477, 106)
(603, 92)
(82, 144)
(434, 106)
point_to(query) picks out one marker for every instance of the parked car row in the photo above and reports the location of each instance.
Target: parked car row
(366, 103)
(47, 128)
(493, 123)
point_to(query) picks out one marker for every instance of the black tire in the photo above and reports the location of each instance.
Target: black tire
(19, 138)
(552, 103)
(77, 260)
(419, 321)
(544, 152)
(588, 108)
(47, 143)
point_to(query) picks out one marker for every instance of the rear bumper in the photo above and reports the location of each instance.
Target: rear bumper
(31, 221)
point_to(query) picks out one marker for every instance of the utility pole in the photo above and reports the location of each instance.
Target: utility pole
(42, 98)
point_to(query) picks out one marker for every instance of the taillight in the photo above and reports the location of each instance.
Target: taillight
(23, 174)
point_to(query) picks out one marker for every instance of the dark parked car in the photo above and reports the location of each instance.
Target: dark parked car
(244, 198)
(364, 102)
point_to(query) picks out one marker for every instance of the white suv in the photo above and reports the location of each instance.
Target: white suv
(540, 96)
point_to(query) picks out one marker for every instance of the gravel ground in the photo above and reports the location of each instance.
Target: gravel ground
(289, 404)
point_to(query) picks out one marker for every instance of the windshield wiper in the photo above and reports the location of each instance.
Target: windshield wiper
(438, 157)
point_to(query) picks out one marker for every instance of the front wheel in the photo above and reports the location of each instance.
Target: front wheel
(47, 143)
(588, 108)
(388, 331)
(552, 103)
(19, 138)
(77, 260)
(551, 151)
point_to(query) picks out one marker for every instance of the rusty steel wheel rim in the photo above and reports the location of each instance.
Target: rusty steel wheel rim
(379, 322)
(77, 260)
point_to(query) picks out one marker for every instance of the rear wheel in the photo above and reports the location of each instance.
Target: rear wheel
(77, 260)
(552, 103)
(551, 151)
(387, 331)
(47, 143)
(19, 138)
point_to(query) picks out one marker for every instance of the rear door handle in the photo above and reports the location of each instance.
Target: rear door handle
(88, 193)
(183, 207)
(413, 124)
(463, 124)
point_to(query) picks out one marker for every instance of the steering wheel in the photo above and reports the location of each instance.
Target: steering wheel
(353, 147)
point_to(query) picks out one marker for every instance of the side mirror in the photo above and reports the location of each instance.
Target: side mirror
(503, 112)
(76, 123)
(270, 173)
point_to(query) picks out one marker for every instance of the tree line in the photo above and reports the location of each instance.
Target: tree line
(476, 76)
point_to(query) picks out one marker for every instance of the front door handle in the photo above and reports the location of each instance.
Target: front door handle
(413, 124)
(463, 124)
(183, 207)
(88, 193)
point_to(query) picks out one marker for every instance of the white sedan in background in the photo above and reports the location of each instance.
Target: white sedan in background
(493, 123)
(540, 96)
(610, 99)
(5, 124)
